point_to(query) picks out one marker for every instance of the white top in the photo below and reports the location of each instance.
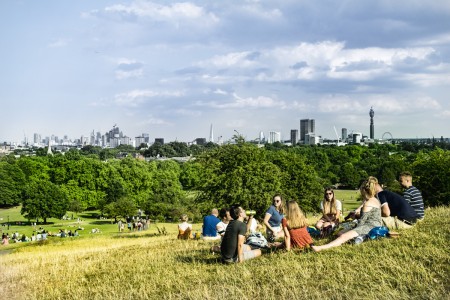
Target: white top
(338, 205)
(221, 227)
(183, 226)
(253, 225)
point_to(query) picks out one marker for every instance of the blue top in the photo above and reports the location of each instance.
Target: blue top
(275, 216)
(209, 225)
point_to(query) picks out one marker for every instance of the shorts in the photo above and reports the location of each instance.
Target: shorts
(248, 254)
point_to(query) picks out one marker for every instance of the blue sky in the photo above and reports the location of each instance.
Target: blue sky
(171, 69)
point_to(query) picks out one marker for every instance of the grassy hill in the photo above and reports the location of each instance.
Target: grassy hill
(146, 265)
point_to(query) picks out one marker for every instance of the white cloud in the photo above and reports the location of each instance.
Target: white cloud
(188, 112)
(59, 43)
(250, 102)
(154, 121)
(176, 12)
(137, 97)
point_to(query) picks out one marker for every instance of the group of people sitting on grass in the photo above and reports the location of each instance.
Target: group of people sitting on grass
(287, 228)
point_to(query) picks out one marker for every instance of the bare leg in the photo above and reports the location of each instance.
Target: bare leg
(337, 242)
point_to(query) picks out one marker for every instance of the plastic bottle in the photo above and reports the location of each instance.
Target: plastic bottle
(360, 238)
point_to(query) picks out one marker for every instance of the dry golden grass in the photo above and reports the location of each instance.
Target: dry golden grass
(145, 266)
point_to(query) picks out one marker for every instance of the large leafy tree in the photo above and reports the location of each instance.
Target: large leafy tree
(12, 181)
(238, 174)
(432, 176)
(43, 199)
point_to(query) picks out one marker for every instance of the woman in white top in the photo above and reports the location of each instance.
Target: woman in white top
(331, 210)
(184, 228)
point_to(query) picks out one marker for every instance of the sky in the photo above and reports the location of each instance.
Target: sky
(171, 69)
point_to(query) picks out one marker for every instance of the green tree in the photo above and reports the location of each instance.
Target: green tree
(432, 176)
(43, 199)
(12, 181)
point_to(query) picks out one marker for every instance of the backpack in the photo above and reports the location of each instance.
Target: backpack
(378, 232)
(256, 239)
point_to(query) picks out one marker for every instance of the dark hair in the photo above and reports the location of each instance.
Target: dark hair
(223, 212)
(235, 210)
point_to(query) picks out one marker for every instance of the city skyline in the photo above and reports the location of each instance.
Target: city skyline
(171, 69)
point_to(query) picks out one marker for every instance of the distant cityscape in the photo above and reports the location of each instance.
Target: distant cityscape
(305, 135)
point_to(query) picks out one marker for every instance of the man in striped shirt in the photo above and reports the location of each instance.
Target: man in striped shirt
(412, 194)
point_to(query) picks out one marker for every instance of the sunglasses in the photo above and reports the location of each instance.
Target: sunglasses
(277, 201)
(329, 193)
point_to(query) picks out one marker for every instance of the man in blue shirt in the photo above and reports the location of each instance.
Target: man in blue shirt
(210, 222)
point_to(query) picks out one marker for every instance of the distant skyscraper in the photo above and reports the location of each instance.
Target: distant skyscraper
(262, 139)
(37, 138)
(371, 114)
(146, 137)
(294, 136)
(274, 136)
(159, 140)
(307, 126)
(344, 134)
(211, 134)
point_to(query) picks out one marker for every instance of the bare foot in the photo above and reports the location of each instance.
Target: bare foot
(316, 248)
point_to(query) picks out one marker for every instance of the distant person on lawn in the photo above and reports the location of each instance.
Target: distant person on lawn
(412, 194)
(370, 216)
(184, 228)
(209, 230)
(233, 249)
(397, 213)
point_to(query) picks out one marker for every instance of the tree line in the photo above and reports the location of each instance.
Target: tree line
(216, 176)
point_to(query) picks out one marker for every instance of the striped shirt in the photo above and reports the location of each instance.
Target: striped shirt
(414, 197)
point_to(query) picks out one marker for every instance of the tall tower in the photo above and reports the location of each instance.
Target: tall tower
(211, 134)
(371, 114)
(307, 126)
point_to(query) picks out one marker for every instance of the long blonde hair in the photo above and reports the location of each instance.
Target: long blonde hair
(329, 207)
(294, 216)
(368, 187)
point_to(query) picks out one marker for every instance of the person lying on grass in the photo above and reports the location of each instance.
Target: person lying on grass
(233, 248)
(370, 216)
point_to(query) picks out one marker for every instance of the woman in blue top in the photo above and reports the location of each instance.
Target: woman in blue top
(273, 218)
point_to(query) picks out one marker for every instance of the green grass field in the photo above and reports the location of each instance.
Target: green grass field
(147, 265)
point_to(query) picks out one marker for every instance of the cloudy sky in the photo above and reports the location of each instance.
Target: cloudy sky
(171, 69)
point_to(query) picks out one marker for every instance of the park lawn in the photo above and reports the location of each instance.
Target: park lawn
(147, 265)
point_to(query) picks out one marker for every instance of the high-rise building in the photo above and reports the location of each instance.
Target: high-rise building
(274, 136)
(294, 136)
(146, 137)
(211, 134)
(159, 140)
(344, 134)
(37, 138)
(307, 126)
(372, 128)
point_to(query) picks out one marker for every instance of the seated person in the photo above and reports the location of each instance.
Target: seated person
(209, 230)
(225, 218)
(331, 210)
(397, 213)
(221, 227)
(233, 248)
(412, 195)
(295, 228)
(370, 216)
(184, 228)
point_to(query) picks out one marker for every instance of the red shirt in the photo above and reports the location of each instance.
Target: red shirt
(299, 236)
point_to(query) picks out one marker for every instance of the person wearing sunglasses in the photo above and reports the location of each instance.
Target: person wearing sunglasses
(273, 217)
(331, 211)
